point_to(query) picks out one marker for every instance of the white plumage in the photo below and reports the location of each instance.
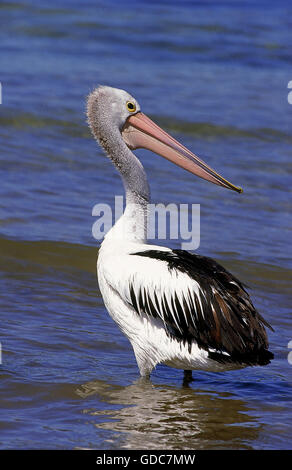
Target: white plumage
(119, 270)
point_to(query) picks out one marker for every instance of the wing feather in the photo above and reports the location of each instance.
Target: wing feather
(198, 300)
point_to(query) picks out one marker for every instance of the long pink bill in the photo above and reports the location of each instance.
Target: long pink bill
(141, 132)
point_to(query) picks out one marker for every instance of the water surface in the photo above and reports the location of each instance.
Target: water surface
(216, 77)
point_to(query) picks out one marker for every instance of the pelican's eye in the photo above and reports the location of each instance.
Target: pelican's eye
(131, 106)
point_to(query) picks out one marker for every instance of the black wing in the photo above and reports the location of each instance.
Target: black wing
(219, 315)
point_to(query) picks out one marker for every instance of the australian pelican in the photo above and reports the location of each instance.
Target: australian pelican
(176, 308)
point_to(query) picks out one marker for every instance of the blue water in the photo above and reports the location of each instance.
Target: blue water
(213, 75)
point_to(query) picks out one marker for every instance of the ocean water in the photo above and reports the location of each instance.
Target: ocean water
(216, 77)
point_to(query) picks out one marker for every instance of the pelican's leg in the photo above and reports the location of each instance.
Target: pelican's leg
(188, 377)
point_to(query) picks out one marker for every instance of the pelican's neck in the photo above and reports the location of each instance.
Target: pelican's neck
(132, 226)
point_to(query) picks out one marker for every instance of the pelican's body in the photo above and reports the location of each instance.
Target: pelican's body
(176, 308)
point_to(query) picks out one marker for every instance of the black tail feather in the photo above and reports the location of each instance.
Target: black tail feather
(261, 357)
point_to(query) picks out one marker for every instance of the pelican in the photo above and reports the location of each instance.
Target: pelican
(176, 308)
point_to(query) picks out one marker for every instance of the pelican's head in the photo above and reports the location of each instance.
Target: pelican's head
(111, 110)
(110, 107)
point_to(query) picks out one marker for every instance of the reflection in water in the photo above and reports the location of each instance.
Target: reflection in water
(164, 417)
